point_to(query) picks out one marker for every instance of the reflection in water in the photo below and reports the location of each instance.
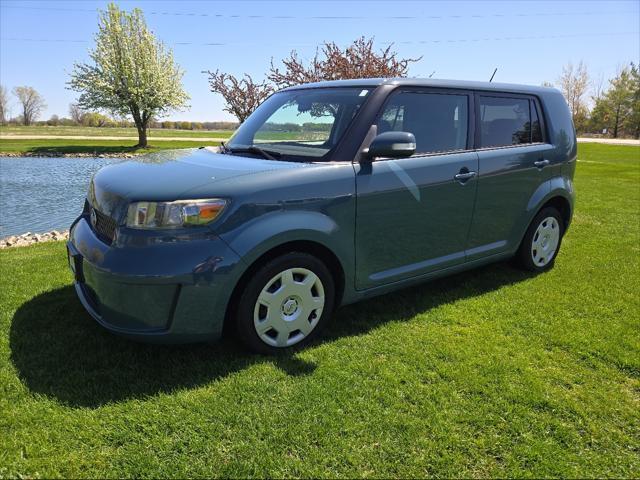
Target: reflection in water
(43, 194)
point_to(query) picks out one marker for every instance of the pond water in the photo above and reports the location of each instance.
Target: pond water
(43, 194)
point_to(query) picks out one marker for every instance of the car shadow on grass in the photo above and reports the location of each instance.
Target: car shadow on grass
(59, 351)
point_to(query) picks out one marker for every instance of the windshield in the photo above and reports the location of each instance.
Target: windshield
(301, 124)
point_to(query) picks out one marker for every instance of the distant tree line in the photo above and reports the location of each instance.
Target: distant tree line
(611, 109)
(294, 127)
(194, 125)
(31, 104)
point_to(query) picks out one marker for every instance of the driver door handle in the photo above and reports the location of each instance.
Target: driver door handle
(541, 163)
(464, 176)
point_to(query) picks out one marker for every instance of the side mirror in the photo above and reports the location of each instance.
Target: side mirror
(393, 145)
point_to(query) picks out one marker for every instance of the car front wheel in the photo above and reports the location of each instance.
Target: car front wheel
(285, 303)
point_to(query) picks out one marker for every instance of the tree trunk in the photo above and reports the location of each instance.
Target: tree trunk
(142, 136)
(141, 120)
(615, 127)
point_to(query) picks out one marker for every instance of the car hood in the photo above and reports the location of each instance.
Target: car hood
(171, 176)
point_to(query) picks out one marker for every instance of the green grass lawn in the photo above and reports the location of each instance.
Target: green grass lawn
(94, 146)
(110, 132)
(490, 373)
(97, 145)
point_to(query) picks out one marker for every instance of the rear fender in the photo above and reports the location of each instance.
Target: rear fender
(558, 186)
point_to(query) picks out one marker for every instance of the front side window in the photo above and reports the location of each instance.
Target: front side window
(301, 124)
(508, 121)
(438, 121)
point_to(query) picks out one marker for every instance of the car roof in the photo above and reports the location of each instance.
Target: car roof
(426, 82)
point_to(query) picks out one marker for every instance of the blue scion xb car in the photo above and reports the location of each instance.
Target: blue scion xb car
(327, 194)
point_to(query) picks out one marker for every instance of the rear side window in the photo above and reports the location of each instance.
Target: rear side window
(536, 129)
(508, 121)
(438, 121)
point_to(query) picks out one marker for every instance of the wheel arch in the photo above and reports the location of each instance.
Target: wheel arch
(561, 204)
(556, 192)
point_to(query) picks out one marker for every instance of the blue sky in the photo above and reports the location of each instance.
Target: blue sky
(40, 40)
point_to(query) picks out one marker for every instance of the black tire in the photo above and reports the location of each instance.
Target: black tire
(245, 327)
(530, 258)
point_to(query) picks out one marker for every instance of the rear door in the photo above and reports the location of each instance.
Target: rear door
(512, 165)
(413, 214)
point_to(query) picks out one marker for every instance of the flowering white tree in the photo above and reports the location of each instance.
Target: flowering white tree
(132, 72)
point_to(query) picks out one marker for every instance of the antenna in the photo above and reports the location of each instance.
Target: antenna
(432, 74)
(494, 74)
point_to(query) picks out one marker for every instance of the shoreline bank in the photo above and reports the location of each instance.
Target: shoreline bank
(29, 238)
(69, 155)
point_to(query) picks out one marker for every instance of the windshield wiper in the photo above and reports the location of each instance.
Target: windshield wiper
(268, 154)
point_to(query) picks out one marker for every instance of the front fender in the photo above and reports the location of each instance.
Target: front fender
(266, 232)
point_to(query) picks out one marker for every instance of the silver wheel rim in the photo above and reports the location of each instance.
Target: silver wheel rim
(545, 241)
(289, 307)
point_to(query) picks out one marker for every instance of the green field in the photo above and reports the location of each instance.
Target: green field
(159, 139)
(490, 373)
(110, 132)
(93, 146)
(97, 145)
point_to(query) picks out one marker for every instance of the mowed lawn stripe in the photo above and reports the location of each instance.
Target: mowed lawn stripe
(95, 146)
(105, 137)
(492, 372)
(18, 130)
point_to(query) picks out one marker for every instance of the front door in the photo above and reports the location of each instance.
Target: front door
(413, 214)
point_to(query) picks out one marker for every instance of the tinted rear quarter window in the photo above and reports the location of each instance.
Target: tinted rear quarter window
(536, 128)
(439, 121)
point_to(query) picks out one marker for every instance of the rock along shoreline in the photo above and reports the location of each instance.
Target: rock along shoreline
(26, 239)
(69, 155)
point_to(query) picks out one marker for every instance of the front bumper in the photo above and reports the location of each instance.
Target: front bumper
(154, 289)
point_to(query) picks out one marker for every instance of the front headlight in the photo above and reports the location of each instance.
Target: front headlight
(181, 213)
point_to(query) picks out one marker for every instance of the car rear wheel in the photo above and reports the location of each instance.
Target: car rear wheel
(542, 241)
(285, 303)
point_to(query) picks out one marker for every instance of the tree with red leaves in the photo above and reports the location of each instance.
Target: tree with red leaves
(241, 95)
(358, 60)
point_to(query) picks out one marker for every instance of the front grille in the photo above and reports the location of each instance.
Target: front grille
(104, 226)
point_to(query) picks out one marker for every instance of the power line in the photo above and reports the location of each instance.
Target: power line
(408, 42)
(333, 17)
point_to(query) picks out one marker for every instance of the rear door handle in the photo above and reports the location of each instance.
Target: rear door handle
(464, 176)
(541, 163)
